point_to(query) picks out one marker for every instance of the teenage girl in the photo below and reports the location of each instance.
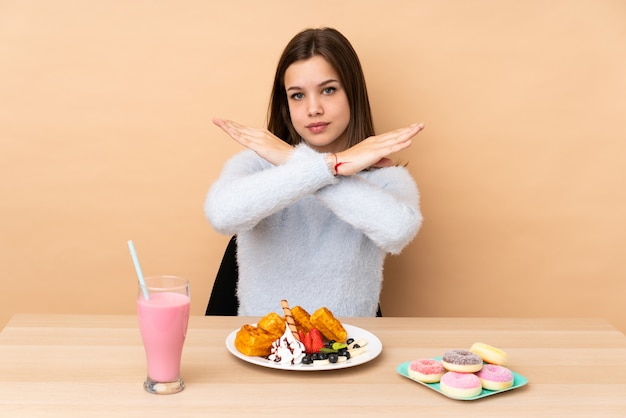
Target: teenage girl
(314, 199)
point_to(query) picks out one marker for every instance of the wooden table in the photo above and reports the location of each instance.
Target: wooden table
(91, 366)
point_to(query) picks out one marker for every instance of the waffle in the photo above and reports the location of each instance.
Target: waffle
(254, 341)
(257, 340)
(329, 326)
(272, 323)
(302, 319)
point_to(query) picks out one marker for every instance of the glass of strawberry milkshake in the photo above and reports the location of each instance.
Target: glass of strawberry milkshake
(163, 311)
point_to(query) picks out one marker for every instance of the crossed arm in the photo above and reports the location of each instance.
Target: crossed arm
(371, 152)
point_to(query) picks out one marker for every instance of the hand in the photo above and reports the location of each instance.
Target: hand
(261, 141)
(374, 151)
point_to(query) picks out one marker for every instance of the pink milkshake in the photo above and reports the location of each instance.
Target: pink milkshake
(163, 322)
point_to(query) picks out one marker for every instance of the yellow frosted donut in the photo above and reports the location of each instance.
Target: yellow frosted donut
(490, 354)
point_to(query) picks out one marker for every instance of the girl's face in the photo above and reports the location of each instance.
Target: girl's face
(318, 104)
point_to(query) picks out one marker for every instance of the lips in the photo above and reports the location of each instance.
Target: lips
(317, 127)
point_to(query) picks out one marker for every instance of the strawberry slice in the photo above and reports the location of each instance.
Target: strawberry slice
(307, 343)
(317, 341)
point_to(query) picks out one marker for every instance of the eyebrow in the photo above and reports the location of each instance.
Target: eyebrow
(322, 84)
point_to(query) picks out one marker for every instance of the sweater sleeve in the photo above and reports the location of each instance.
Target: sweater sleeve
(250, 189)
(382, 203)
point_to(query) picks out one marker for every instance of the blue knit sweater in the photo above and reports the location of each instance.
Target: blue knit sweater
(309, 237)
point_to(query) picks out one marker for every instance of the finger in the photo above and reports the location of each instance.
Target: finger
(230, 130)
(222, 125)
(399, 135)
(410, 131)
(400, 146)
(415, 127)
(243, 131)
(227, 127)
(219, 122)
(418, 127)
(238, 126)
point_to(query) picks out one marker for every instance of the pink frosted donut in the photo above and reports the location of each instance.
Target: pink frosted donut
(426, 370)
(493, 377)
(463, 361)
(460, 385)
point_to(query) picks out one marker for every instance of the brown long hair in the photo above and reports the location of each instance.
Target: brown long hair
(330, 44)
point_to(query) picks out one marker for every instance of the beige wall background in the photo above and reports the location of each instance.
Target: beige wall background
(105, 136)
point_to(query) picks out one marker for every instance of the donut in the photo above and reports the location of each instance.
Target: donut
(460, 385)
(426, 370)
(494, 377)
(462, 361)
(490, 354)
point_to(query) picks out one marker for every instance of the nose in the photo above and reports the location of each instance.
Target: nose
(314, 106)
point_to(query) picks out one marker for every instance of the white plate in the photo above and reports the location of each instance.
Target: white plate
(373, 349)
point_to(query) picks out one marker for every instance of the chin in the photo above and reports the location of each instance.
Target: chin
(321, 147)
(318, 143)
(329, 143)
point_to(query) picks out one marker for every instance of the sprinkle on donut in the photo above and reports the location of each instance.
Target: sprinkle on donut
(462, 361)
(494, 377)
(426, 370)
(464, 374)
(460, 385)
